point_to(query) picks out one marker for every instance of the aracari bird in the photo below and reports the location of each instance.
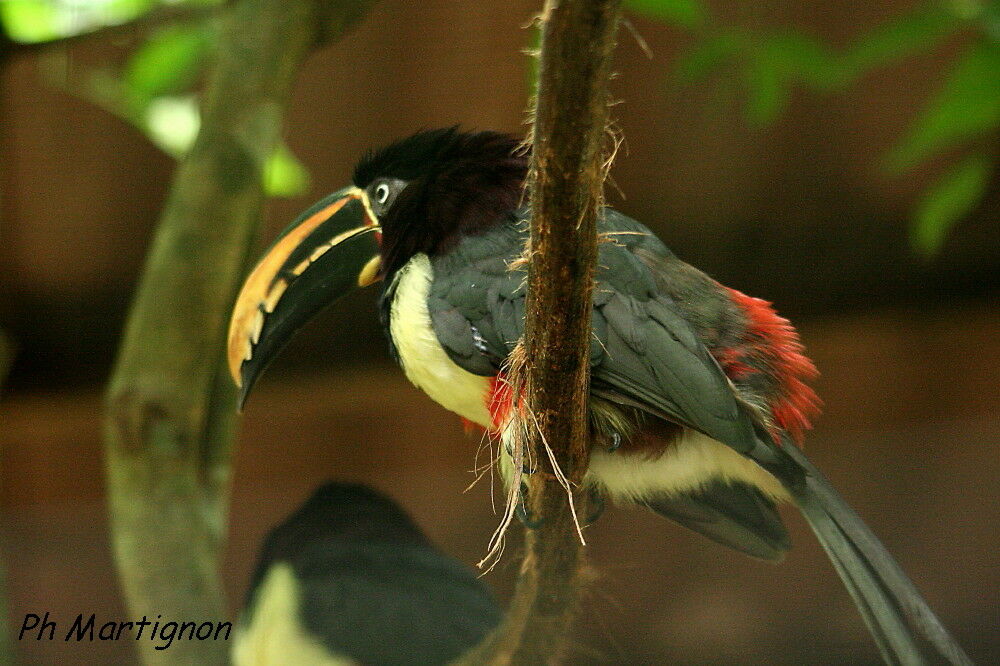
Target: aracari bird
(698, 393)
(348, 578)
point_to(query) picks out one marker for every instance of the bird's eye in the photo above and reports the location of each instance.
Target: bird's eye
(382, 193)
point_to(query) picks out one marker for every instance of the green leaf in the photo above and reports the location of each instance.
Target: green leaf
(119, 10)
(33, 21)
(709, 54)
(172, 123)
(284, 175)
(967, 106)
(30, 21)
(800, 57)
(947, 201)
(916, 31)
(168, 64)
(768, 91)
(771, 65)
(687, 14)
(990, 19)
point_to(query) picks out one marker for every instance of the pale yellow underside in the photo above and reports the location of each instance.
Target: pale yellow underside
(275, 636)
(424, 360)
(688, 464)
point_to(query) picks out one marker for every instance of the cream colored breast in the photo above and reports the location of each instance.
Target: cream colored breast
(424, 360)
(688, 464)
(275, 635)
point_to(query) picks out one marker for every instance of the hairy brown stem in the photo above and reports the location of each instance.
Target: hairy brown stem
(568, 170)
(171, 409)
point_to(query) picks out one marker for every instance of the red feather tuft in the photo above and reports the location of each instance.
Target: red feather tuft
(498, 401)
(772, 345)
(471, 427)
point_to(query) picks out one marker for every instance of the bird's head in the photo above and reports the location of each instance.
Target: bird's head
(418, 195)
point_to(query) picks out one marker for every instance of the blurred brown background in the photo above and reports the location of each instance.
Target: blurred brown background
(796, 213)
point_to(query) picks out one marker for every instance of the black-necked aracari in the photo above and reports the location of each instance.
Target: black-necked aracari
(348, 578)
(699, 393)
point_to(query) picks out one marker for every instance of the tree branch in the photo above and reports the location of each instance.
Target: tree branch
(170, 407)
(553, 370)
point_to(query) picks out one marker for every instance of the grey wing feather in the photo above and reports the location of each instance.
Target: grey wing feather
(655, 362)
(734, 514)
(476, 303)
(465, 344)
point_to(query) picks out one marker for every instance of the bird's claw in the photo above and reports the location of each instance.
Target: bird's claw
(616, 442)
(597, 505)
(526, 467)
(521, 510)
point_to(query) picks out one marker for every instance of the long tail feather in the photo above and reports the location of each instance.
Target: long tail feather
(900, 620)
(882, 615)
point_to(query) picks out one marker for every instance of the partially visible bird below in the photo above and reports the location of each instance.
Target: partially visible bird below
(699, 394)
(348, 578)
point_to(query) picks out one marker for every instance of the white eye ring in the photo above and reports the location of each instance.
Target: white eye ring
(382, 193)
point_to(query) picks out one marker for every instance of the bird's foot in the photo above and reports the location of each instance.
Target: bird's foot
(616, 442)
(526, 467)
(521, 510)
(597, 505)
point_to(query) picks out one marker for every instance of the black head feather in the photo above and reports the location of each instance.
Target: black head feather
(428, 152)
(341, 512)
(458, 184)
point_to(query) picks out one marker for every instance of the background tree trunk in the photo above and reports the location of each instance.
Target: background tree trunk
(171, 408)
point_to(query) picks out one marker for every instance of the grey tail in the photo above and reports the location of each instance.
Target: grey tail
(732, 513)
(905, 628)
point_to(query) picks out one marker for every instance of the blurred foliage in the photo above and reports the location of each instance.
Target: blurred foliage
(284, 176)
(966, 108)
(952, 197)
(32, 21)
(167, 64)
(688, 14)
(156, 89)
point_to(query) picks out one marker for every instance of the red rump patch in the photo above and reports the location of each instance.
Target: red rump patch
(470, 427)
(498, 401)
(772, 345)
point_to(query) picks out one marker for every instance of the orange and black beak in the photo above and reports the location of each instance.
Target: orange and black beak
(330, 249)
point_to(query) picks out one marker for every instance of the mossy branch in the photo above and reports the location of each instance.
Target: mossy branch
(568, 170)
(170, 420)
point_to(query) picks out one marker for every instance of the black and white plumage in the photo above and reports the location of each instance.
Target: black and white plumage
(348, 578)
(699, 393)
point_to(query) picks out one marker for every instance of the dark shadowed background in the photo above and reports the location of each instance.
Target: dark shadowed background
(796, 211)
